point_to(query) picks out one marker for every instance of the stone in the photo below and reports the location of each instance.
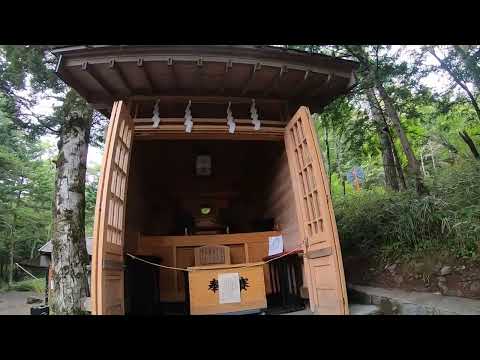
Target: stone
(446, 270)
(442, 279)
(398, 279)
(451, 292)
(437, 268)
(418, 267)
(443, 287)
(475, 286)
(33, 300)
(392, 268)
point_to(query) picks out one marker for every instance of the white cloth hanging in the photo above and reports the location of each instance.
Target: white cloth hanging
(254, 114)
(188, 118)
(156, 114)
(230, 120)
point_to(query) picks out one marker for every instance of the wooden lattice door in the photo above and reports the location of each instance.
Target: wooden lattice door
(109, 227)
(322, 255)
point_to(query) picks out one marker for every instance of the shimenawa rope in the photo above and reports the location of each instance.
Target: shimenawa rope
(183, 269)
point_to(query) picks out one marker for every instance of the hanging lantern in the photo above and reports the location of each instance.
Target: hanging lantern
(188, 118)
(230, 120)
(156, 114)
(254, 114)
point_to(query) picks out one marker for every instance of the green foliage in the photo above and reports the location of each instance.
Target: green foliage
(402, 225)
(26, 191)
(93, 174)
(36, 285)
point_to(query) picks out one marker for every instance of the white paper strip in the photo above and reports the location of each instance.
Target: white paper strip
(230, 120)
(156, 115)
(229, 288)
(275, 245)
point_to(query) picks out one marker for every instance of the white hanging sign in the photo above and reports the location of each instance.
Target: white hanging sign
(275, 245)
(229, 288)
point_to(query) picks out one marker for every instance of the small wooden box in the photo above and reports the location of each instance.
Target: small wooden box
(204, 295)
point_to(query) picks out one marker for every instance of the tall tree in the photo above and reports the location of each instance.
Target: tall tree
(26, 187)
(71, 122)
(69, 252)
(391, 177)
(375, 72)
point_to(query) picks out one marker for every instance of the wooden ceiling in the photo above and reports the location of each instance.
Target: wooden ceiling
(271, 75)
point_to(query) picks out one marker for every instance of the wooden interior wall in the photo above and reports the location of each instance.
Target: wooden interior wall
(280, 204)
(240, 176)
(178, 251)
(136, 204)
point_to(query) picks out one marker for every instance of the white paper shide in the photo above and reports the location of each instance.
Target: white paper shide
(229, 288)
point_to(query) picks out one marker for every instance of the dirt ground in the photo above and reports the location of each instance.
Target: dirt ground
(450, 278)
(15, 302)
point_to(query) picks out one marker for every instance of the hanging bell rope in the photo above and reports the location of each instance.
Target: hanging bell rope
(188, 118)
(156, 114)
(254, 114)
(230, 119)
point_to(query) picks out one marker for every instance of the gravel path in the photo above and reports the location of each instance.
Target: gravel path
(15, 302)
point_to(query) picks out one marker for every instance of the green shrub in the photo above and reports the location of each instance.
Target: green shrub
(37, 285)
(401, 225)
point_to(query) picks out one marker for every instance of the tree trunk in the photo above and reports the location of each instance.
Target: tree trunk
(391, 180)
(11, 268)
(32, 250)
(468, 140)
(12, 235)
(398, 164)
(69, 254)
(413, 164)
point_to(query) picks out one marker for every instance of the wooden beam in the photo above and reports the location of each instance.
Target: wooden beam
(214, 132)
(67, 77)
(198, 74)
(204, 99)
(116, 69)
(171, 67)
(256, 67)
(324, 86)
(321, 68)
(89, 70)
(228, 67)
(206, 121)
(301, 85)
(142, 65)
(276, 81)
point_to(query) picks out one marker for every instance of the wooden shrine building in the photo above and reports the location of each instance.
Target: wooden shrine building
(210, 147)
